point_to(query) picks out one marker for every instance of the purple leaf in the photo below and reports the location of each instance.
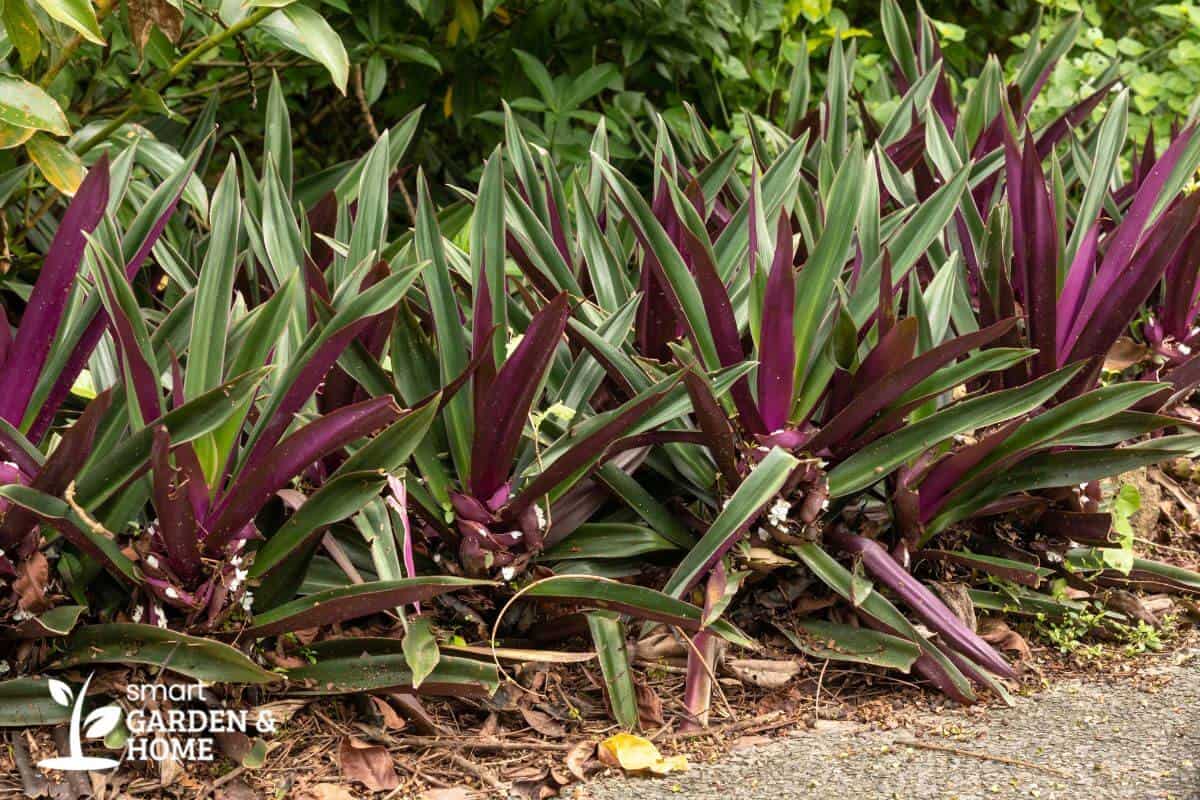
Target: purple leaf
(1119, 301)
(498, 430)
(56, 474)
(1079, 278)
(719, 311)
(923, 602)
(289, 458)
(719, 435)
(1053, 133)
(48, 301)
(144, 375)
(777, 344)
(298, 392)
(891, 387)
(894, 350)
(95, 329)
(947, 474)
(176, 521)
(1120, 247)
(580, 454)
(1035, 249)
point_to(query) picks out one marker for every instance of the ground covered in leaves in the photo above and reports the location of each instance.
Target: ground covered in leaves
(1127, 704)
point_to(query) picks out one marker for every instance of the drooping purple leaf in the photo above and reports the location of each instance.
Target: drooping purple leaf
(719, 435)
(924, 603)
(946, 475)
(56, 474)
(1053, 133)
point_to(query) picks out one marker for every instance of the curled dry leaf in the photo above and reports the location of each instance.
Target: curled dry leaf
(145, 15)
(1130, 605)
(958, 600)
(578, 757)
(391, 720)
(370, 765)
(649, 705)
(33, 577)
(635, 754)
(764, 673)
(543, 723)
(659, 644)
(996, 632)
(1124, 354)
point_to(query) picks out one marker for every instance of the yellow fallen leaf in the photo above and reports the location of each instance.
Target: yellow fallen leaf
(635, 754)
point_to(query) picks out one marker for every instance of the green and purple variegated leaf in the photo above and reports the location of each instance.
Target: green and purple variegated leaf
(47, 303)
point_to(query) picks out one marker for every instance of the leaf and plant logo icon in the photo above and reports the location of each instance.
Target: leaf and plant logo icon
(97, 724)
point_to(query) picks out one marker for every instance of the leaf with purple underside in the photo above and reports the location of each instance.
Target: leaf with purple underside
(344, 603)
(777, 344)
(289, 458)
(48, 301)
(498, 430)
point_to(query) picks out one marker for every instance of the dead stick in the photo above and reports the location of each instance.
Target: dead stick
(30, 780)
(478, 744)
(766, 721)
(480, 772)
(958, 751)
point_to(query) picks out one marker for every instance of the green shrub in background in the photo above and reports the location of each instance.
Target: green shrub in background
(79, 75)
(1158, 45)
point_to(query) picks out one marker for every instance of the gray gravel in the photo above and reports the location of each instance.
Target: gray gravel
(1120, 739)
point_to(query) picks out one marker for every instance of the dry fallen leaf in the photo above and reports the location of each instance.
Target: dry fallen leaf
(1124, 354)
(764, 673)
(958, 600)
(635, 754)
(327, 791)
(370, 765)
(577, 758)
(235, 790)
(745, 742)
(543, 723)
(660, 644)
(33, 576)
(391, 720)
(996, 632)
(649, 705)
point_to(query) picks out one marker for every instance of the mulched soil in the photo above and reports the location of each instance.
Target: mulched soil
(539, 733)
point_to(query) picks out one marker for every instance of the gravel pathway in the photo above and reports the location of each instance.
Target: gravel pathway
(1121, 739)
